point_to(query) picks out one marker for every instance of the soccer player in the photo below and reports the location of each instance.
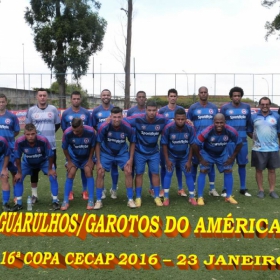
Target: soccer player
(238, 115)
(98, 116)
(148, 128)
(37, 154)
(46, 119)
(76, 111)
(140, 107)
(111, 148)
(78, 145)
(176, 139)
(9, 129)
(213, 142)
(265, 149)
(168, 111)
(202, 114)
(4, 178)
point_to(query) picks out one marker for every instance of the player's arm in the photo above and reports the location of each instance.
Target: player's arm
(90, 163)
(195, 149)
(129, 163)
(231, 159)
(57, 126)
(51, 171)
(97, 154)
(5, 172)
(168, 163)
(189, 162)
(18, 176)
(69, 164)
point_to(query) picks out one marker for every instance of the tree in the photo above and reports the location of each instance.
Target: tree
(128, 53)
(66, 33)
(274, 25)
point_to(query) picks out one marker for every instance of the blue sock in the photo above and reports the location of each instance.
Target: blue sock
(68, 188)
(129, 192)
(194, 171)
(228, 183)
(84, 179)
(115, 177)
(212, 176)
(242, 177)
(138, 192)
(189, 182)
(5, 196)
(156, 190)
(200, 184)
(151, 181)
(162, 174)
(98, 193)
(167, 183)
(54, 187)
(18, 192)
(179, 178)
(90, 187)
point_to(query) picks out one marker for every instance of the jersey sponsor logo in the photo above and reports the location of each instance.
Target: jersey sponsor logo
(4, 126)
(180, 142)
(117, 141)
(39, 150)
(239, 117)
(157, 127)
(7, 121)
(34, 156)
(152, 133)
(86, 140)
(101, 120)
(80, 146)
(225, 138)
(205, 117)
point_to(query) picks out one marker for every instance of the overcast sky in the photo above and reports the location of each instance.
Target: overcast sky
(203, 36)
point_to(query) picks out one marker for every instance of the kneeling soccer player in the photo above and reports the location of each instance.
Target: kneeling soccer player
(78, 144)
(176, 139)
(111, 148)
(213, 142)
(37, 154)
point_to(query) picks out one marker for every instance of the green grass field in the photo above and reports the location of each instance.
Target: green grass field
(166, 248)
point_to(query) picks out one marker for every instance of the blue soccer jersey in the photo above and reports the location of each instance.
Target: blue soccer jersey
(35, 155)
(215, 143)
(266, 129)
(202, 116)
(113, 140)
(238, 117)
(99, 115)
(69, 114)
(177, 140)
(169, 113)
(79, 146)
(4, 148)
(147, 133)
(135, 110)
(9, 124)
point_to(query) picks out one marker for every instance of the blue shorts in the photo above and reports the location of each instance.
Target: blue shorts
(79, 164)
(28, 170)
(242, 156)
(108, 161)
(181, 163)
(219, 161)
(140, 161)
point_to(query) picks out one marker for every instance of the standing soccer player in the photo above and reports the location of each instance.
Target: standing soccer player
(46, 119)
(9, 129)
(111, 148)
(176, 139)
(202, 114)
(37, 154)
(140, 107)
(148, 128)
(168, 111)
(98, 116)
(238, 115)
(76, 111)
(211, 147)
(78, 145)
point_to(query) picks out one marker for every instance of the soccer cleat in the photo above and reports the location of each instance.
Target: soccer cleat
(131, 204)
(85, 195)
(231, 200)
(192, 201)
(6, 207)
(224, 193)
(113, 194)
(71, 195)
(103, 194)
(90, 205)
(213, 192)
(158, 201)
(64, 206)
(138, 202)
(55, 205)
(98, 205)
(165, 202)
(182, 192)
(34, 199)
(200, 201)
(16, 208)
(245, 192)
(161, 193)
(151, 192)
